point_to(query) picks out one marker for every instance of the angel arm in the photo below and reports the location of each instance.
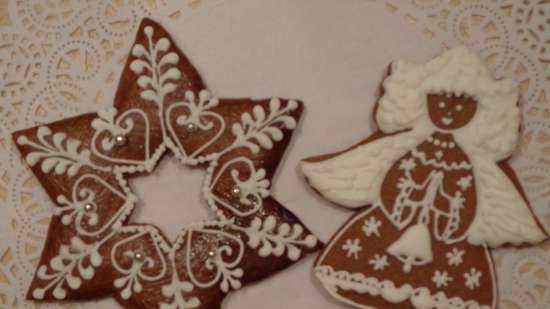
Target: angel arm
(503, 215)
(352, 178)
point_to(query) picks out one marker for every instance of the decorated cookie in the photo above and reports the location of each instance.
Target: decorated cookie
(161, 106)
(432, 189)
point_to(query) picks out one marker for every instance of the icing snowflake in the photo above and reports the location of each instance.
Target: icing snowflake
(441, 278)
(379, 262)
(371, 226)
(464, 182)
(352, 248)
(407, 164)
(454, 258)
(472, 278)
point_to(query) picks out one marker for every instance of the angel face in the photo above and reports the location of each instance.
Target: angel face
(450, 112)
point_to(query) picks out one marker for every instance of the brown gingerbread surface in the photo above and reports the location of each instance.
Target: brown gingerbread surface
(161, 106)
(433, 192)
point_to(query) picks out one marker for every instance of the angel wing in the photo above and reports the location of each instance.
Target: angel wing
(353, 179)
(502, 215)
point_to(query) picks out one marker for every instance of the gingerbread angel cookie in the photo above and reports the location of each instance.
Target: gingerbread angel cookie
(437, 190)
(85, 163)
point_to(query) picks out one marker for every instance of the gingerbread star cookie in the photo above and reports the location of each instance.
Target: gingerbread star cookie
(432, 191)
(84, 164)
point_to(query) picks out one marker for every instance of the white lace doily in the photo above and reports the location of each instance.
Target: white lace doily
(60, 58)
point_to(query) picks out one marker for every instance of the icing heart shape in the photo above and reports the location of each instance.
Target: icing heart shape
(223, 251)
(192, 127)
(94, 205)
(131, 129)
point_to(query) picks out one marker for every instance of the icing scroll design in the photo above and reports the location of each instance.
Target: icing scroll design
(82, 207)
(252, 191)
(198, 117)
(227, 271)
(121, 128)
(130, 282)
(255, 132)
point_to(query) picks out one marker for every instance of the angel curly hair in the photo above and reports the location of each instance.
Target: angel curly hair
(494, 129)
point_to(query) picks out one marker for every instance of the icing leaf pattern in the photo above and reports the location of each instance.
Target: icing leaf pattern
(275, 241)
(68, 267)
(156, 85)
(59, 156)
(259, 130)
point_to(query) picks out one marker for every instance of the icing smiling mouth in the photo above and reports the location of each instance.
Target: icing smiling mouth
(447, 120)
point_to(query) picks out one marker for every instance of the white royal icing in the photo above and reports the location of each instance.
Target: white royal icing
(352, 248)
(419, 297)
(62, 156)
(472, 278)
(413, 247)
(455, 257)
(379, 262)
(156, 66)
(441, 278)
(353, 178)
(440, 164)
(371, 226)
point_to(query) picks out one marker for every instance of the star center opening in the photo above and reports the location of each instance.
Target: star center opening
(170, 197)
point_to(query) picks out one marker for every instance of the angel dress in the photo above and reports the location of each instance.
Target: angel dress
(414, 244)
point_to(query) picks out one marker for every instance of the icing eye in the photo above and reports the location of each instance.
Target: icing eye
(442, 104)
(459, 108)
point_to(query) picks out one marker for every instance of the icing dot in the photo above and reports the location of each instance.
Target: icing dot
(211, 253)
(444, 144)
(292, 104)
(452, 145)
(148, 30)
(437, 142)
(441, 104)
(21, 140)
(459, 107)
(430, 139)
